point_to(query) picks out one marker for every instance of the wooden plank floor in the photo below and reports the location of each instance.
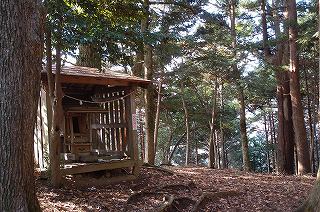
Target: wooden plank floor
(77, 168)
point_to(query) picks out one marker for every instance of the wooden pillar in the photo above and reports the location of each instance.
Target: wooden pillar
(131, 118)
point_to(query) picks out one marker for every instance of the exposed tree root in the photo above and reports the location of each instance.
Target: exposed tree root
(148, 166)
(166, 205)
(172, 203)
(163, 190)
(213, 196)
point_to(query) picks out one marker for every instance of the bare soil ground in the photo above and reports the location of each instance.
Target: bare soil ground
(183, 189)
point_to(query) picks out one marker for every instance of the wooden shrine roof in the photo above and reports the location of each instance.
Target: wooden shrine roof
(86, 75)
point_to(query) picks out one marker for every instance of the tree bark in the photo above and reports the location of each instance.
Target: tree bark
(157, 119)
(57, 119)
(309, 111)
(186, 120)
(212, 139)
(285, 144)
(313, 201)
(89, 56)
(223, 150)
(21, 48)
(297, 108)
(149, 92)
(243, 125)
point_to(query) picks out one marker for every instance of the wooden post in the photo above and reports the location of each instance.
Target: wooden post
(131, 118)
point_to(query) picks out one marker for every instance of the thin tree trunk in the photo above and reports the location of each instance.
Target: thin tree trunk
(186, 119)
(54, 152)
(273, 142)
(297, 108)
(167, 150)
(212, 139)
(21, 48)
(176, 146)
(223, 150)
(243, 125)
(309, 110)
(156, 125)
(149, 92)
(267, 142)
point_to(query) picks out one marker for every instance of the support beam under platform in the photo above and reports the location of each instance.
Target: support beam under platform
(78, 168)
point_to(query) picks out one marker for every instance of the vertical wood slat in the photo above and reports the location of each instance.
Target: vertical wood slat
(116, 118)
(103, 130)
(112, 122)
(122, 130)
(107, 131)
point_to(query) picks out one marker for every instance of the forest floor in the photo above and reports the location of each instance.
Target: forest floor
(181, 189)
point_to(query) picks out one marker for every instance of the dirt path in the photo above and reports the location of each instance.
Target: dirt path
(187, 189)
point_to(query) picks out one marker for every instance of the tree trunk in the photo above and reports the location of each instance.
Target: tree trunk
(149, 92)
(89, 56)
(297, 108)
(273, 142)
(243, 125)
(54, 152)
(137, 69)
(212, 139)
(167, 149)
(20, 66)
(285, 144)
(313, 201)
(243, 132)
(186, 119)
(267, 142)
(309, 110)
(223, 151)
(157, 119)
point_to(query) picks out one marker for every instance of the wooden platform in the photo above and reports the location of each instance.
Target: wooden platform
(77, 168)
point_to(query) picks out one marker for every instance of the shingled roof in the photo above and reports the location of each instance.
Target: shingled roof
(86, 75)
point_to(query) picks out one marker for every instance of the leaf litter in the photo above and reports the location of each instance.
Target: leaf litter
(179, 189)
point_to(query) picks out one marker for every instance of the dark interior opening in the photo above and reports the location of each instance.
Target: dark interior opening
(75, 123)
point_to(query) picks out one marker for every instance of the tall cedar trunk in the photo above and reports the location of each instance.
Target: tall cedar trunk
(267, 142)
(212, 139)
(167, 148)
(149, 92)
(273, 142)
(300, 134)
(243, 126)
(223, 150)
(313, 202)
(89, 56)
(309, 110)
(56, 129)
(21, 47)
(157, 118)
(285, 144)
(186, 121)
(137, 68)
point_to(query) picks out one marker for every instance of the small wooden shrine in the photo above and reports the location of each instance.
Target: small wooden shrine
(99, 126)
